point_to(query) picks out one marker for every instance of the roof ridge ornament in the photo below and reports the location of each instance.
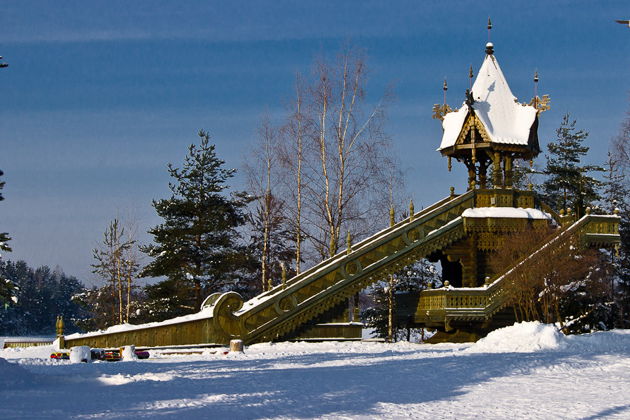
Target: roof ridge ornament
(541, 104)
(439, 111)
(470, 100)
(489, 48)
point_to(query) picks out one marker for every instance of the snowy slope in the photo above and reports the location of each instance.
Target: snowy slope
(525, 371)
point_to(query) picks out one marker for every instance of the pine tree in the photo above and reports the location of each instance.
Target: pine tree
(42, 295)
(4, 237)
(197, 246)
(614, 188)
(568, 184)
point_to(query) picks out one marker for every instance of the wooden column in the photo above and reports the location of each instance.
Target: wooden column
(496, 170)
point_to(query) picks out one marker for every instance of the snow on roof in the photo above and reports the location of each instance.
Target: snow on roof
(506, 212)
(452, 125)
(505, 120)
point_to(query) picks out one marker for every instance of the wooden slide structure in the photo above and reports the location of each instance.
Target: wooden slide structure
(288, 310)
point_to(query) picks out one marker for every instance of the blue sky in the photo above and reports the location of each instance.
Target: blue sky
(101, 95)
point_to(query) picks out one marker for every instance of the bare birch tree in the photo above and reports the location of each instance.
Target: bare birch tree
(130, 264)
(117, 263)
(292, 157)
(267, 220)
(621, 144)
(336, 148)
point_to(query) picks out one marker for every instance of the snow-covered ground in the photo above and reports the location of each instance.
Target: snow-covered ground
(525, 371)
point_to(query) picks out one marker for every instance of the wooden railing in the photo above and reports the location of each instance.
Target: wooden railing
(436, 307)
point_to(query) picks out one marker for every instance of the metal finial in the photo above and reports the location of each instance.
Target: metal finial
(410, 210)
(536, 89)
(444, 88)
(59, 325)
(452, 191)
(489, 28)
(450, 165)
(392, 216)
(348, 243)
(284, 274)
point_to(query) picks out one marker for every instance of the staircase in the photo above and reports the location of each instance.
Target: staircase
(282, 310)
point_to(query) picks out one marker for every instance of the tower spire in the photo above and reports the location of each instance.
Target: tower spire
(489, 45)
(444, 88)
(489, 28)
(536, 89)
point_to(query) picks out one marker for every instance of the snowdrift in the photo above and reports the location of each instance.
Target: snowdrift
(524, 337)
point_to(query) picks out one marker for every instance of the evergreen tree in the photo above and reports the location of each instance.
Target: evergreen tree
(568, 183)
(164, 300)
(197, 246)
(614, 191)
(42, 295)
(7, 287)
(4, 237)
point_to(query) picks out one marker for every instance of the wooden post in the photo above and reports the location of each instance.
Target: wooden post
(496, 170)
(390, 310)
(59, 330)
(236, 346)
(508, 171)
